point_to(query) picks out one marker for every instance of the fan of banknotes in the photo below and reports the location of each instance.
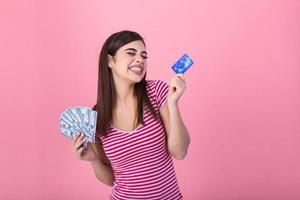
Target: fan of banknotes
(79, 119)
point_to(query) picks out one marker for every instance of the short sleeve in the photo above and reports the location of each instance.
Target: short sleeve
(161, 92)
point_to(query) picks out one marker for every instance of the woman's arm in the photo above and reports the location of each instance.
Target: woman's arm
(101, 165)
(94, 153)
(178, 138)
(103, 172)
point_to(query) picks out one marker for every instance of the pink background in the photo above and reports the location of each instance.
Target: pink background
(241, 106)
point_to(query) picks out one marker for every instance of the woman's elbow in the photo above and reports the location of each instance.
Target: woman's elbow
(108, 182)
(180, 156)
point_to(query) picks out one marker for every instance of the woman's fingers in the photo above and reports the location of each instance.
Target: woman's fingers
(79, 143)
(178, 83)
(79, 152)
(181, 77)
(82, 151)
(79, 149)
(178, 78)
(76, 138)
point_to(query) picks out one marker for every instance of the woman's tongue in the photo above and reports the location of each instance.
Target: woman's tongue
(135, 70)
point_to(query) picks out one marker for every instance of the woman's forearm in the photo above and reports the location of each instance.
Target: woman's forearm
(104, 173)
(179, 138)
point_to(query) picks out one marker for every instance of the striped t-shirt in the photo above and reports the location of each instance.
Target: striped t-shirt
(142, 165)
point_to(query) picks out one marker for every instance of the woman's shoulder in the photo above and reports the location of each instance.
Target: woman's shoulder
(150, 82)
(155, 83)
(156, 88)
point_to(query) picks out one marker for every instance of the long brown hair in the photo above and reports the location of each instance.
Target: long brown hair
(106, 94)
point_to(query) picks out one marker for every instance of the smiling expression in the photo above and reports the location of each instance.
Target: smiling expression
(129, 62)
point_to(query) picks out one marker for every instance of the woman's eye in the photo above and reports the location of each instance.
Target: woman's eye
(130, 53)
(133, 54)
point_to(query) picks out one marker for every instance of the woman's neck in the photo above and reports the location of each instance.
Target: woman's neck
(124, 93)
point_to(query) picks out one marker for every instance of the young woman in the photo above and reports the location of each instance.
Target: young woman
(139, 125)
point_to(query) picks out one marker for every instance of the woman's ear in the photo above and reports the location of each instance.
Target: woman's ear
(110, 60)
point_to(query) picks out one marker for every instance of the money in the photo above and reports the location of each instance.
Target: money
(182, 65)
(79, 119)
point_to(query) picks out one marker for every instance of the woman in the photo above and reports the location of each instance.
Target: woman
(139, 124)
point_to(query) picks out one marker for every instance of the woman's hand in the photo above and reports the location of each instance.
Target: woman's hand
(81, 152)
(177, 87)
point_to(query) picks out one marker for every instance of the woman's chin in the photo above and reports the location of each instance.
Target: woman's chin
(136, 78)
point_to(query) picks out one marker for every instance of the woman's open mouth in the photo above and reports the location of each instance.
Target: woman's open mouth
(137, 69)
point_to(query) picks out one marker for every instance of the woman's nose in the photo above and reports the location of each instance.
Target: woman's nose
(139, 59)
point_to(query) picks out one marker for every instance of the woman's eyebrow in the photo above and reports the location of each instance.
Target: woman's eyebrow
(132, 49)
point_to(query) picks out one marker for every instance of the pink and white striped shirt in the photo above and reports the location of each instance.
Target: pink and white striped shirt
(142, 165)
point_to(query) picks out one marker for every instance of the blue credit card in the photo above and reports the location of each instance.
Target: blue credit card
(183, 64)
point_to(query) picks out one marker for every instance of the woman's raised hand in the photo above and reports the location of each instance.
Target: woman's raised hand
(82, 152)
(177, 87)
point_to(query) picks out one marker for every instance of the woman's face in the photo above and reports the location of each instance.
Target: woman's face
(129, 62)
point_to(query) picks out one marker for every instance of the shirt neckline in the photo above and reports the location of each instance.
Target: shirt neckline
(132, 131)
(123, 131)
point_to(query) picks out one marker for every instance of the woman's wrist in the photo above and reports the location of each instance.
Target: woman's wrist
(172, 104)
(96, 160)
